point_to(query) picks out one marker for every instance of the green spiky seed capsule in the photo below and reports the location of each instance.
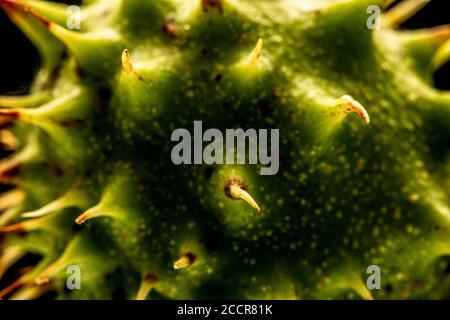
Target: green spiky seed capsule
(364, 159)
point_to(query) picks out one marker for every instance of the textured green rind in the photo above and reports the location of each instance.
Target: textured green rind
(347, 195)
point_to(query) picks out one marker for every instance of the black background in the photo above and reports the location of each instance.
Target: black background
(169, 309)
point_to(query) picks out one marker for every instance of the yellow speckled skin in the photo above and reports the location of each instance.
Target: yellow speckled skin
(95, 148)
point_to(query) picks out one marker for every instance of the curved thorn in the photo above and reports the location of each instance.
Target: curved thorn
(402, 12)
(235, 191)
(346, 104)
(185, 261)
(91, 213)
(255, 55)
